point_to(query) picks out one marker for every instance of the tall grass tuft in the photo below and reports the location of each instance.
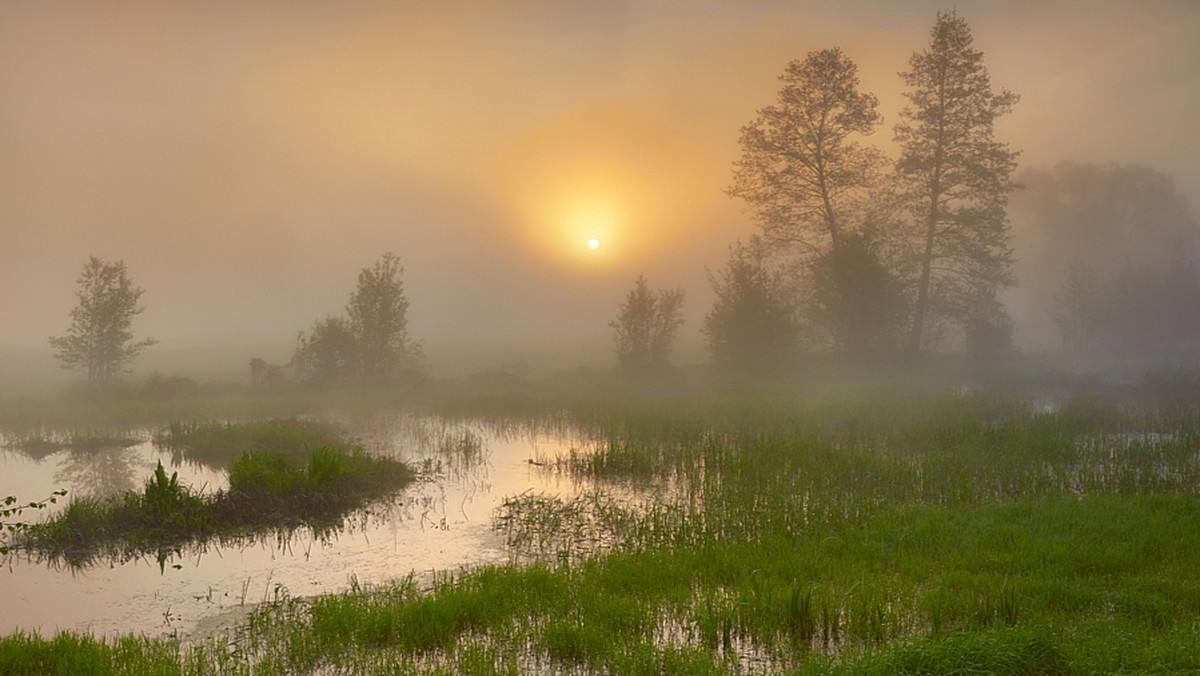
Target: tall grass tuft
(801, 614)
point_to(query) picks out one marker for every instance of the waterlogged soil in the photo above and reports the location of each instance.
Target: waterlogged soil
(441, 522)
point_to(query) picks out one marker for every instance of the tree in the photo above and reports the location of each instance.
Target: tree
(100, 339)
(856, 299)
(1139, 317)
(378, 312)
(645, 327)
(1078, 310)
(371, 345)
(954, 177)
(328, 354)
(801, 169)
(751, 325)
(1094, 217)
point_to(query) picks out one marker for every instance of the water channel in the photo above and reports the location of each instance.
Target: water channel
(441, 522)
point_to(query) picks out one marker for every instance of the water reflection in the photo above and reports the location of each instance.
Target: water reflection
(441, 522)
(100, 473)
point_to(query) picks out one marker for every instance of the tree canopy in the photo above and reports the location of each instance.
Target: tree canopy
(646, 326)
(371, 344)
(378, 313)
(751, 325)
(100, 340)
(955, 178)
(802, 169)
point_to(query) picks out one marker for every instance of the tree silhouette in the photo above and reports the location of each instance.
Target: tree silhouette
(751, 325)
(328, 354)
(378, 312)
(371, 344)
(801, 169)
(808, 180)
(99, 341)
(646, 326)
(954, 177)
(856, 298)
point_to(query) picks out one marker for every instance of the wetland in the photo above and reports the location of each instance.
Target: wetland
(634, 531)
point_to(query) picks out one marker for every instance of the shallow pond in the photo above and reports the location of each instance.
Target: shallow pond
(441, 522)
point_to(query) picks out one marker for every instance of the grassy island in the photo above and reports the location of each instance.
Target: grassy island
(282, 475)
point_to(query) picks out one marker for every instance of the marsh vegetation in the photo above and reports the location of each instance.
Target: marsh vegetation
(783, 532)
(282, 475)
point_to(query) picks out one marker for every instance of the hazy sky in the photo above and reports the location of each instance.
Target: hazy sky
(246, 159)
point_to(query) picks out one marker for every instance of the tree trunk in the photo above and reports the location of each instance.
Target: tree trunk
(914, 340)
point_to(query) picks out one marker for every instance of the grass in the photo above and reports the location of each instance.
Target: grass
(218, 445)
(886, 535)
(268, 490)
(707, 611)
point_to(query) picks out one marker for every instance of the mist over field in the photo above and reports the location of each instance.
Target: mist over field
(797, 337)
(246, 161)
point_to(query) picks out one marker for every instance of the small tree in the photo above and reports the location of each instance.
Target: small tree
(1079, 311)
(646, 326)
(100, 339)
(751, 324)
(378, 312)
(856, 299)
(328, 354)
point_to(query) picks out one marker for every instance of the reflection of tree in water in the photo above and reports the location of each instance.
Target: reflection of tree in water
(104, 471)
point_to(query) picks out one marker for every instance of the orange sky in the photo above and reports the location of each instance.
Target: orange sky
(246, 159)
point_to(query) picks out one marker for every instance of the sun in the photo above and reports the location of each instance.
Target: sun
(593, 244)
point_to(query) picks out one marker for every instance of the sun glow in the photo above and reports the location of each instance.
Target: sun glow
(596, 187)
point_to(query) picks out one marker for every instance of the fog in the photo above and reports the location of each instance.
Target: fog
(246, 160)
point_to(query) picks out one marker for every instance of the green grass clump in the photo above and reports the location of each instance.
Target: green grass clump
(1007, 652)
(163, 515)
(330, 482)
(218, 445)
(69, 654)
(268, 490)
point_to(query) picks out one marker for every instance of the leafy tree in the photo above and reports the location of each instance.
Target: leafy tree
(801, 168)
(808, 179)
(328, 354)
(100, 339)
(751, 324)
(1141, 317)
(1138, 317)
(855, 296)
(989, 331)
(1092, 220)
(1079, 310)
(378, 312)
(954, 177)
(646, 326)
(371, 345)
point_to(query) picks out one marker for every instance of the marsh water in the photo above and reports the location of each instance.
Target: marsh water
(441, 522)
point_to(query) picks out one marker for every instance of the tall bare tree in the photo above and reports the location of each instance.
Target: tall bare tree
(100, 339)
(955, 178)
(802, 167)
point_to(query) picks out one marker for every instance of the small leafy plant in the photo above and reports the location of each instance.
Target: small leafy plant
(13, 508)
